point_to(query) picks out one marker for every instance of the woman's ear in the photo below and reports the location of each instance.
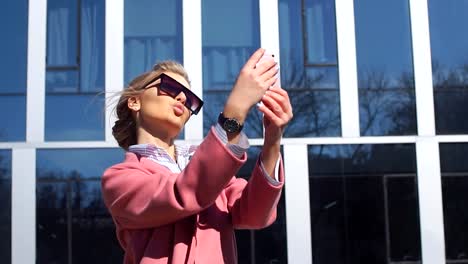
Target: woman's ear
(133, 103)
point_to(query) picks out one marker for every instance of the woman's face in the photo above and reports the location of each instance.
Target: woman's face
(158, 112)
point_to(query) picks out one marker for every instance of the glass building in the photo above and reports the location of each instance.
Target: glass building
(375, 157)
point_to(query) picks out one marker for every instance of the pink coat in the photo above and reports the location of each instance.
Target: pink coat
(187, 217)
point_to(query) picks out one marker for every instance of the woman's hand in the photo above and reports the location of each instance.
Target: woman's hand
(277, 112)
(251, 84)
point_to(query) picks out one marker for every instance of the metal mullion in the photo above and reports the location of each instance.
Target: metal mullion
(74, 93)
(347, 68)
(23, 206)
(36, 70)
(297, 202)
(321, 65)
(62, 67)
(431, 216)
(193, 61)
(12, 94)
(114, 61)
(78, 46)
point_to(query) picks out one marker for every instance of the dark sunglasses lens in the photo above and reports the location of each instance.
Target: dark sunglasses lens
(173, 88)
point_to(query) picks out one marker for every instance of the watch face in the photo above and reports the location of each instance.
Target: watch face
(231, 125)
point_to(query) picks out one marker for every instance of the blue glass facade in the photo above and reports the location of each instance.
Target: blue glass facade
(75, 70)
(309, 66)
(365, 201)
(225, 50)
(72, 221)
(13, 69)
(385, 68)
(449, 47)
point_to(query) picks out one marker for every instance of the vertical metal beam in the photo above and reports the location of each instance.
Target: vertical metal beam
(23, 206)
(114, 68)
(298, 228)
(422, 67)
(346, 41)
(36, 70)
(430, 201)
(192, 30)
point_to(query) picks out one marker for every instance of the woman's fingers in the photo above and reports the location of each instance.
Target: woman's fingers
(276, 108)
(253, 60)
(278, 100)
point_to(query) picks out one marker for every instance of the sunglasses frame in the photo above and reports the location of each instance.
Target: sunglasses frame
(172, 87)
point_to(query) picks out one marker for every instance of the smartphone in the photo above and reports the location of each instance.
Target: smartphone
(266, 56)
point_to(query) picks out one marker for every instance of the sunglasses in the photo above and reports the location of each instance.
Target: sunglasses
(173, 88)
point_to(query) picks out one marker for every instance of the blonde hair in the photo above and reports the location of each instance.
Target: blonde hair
(124, 129)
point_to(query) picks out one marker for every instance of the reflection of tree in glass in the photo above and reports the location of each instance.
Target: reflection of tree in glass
(387, 104)
(316, 109)
(5, 205)
(451, 98)
(72, 220)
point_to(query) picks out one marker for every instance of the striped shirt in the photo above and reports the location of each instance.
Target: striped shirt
(184, 153)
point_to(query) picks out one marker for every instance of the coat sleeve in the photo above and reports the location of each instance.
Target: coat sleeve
(253, 204)
(141, 194)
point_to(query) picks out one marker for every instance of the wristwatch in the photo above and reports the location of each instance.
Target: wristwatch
(230, 125)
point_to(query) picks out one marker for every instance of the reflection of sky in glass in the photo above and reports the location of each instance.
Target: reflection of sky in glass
(74, 117)
(383, 39)
(449, 47)
(13, 47)
(449, 41)
(153, 32)
(88, 163)
(321, 31)
(13, 52)
(309, 66)
(13, 126)
(73, 109)
(231, 33)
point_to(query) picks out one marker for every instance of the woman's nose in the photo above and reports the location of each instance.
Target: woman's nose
(181, 97)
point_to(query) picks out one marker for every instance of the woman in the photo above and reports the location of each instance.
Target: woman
(179, 204)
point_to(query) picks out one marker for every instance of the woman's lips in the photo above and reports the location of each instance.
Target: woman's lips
(179, 109)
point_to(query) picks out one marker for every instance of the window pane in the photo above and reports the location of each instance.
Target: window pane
(320, 31)
(449, 47)
(454, 185)
(384, 61)
(225, 52)
(14, 45)
(63, 164)
(387, 112)
(14, 118)
(75, 52)
(13, 69)
(74, 117)
(309, 67)
(267, 245)
(153, 32)
(92, 225)
(62, 81)
(5, 204)
(71, 215)
(62, 32)
(360, 195)
(92, 46)
(52, 237)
